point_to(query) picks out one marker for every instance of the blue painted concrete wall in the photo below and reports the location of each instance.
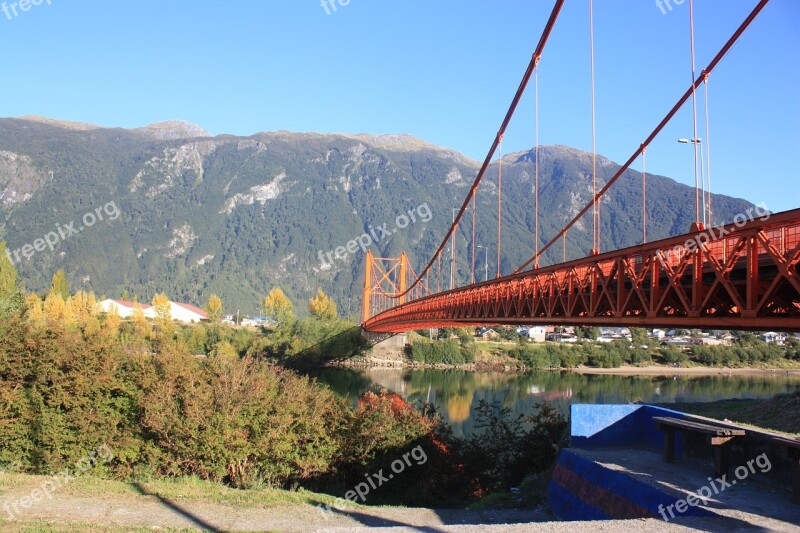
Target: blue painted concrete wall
(628, 426)
(581, 489)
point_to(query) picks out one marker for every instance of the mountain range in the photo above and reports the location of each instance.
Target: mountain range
(171, 208)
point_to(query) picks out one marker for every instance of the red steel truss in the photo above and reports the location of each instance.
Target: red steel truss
(743, 276)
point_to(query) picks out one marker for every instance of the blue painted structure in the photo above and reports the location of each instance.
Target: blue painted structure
(581, 489)
(584, 490)
(628, 426)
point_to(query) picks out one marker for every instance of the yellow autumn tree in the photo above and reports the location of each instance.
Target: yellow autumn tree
(162, 307)
(35, 309)
(55, 310)
(322, 307)
(112, 321)
(278, 306)
(214, 308)
(140, 326)
(82, 308)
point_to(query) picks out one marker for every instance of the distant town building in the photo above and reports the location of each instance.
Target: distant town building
(773, 338)
(562, 337)
(538, 333)
(486, 333)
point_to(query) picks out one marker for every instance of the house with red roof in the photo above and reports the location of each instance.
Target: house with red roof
(181, 312)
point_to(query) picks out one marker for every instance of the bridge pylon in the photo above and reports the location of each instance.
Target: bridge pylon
(385, 283)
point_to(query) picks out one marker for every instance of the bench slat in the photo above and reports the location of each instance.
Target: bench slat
(785, 441)
(697, 426)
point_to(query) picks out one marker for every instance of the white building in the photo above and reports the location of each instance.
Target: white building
(186, 313)
(773, 338)
(125, 309)
(538, 333)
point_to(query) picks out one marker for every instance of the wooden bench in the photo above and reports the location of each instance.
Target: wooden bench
(719, 437)
(790, 449)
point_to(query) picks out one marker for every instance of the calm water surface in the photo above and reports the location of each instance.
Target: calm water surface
(456, 393)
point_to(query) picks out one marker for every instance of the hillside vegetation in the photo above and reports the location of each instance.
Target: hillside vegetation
(192, 215)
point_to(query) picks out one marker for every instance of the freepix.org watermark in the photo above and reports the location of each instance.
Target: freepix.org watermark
(714, 487)
(103, 454)
(373, 481)
(376, 234)
(713, 233)
(13, 9)
(332, 6)
(666, 5)
(64, 232)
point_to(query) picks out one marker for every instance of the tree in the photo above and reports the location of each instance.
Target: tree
(55, 309)
(140, 326)
(8, 274)
(587, 332)
(162, 307)
(81, 308)
(12, 295)
(112, 321)
(278, 307)
(639, 337)
(323, 307)
(35, 310)
(214, 308)
(60, 285)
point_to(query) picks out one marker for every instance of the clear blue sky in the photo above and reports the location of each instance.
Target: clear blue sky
(442, 70)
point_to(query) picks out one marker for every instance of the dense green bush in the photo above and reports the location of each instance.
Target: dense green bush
(673, 355)
(605, 359)
(534, 357)
(448, 352)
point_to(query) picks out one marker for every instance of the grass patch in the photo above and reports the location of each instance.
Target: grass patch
(780, 413)
(189, 488)
(495, 500)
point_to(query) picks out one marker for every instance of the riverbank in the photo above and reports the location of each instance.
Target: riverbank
(508, 364)
(665, 370)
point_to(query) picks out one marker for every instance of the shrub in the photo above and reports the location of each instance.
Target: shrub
(501, 451)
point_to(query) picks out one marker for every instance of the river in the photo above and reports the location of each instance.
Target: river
(457, 393)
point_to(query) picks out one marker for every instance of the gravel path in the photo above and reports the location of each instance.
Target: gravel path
(156, 513)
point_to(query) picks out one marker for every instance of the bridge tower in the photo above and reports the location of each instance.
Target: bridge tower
(385, 284)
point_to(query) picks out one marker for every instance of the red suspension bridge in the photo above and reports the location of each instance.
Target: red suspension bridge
(744, 275)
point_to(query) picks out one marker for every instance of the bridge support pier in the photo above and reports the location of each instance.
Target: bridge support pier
(385, 340)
